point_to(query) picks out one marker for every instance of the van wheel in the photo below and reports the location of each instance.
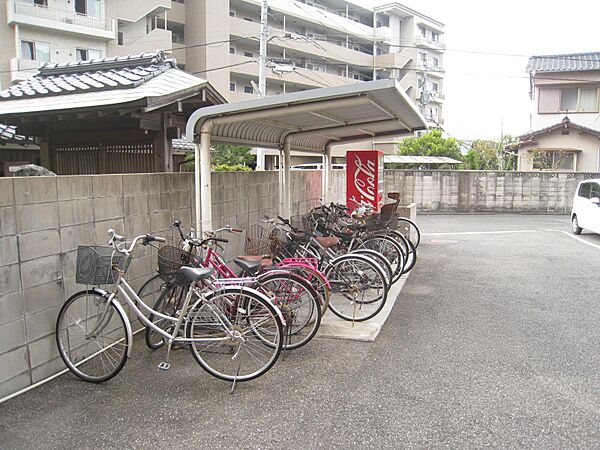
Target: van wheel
(575, 225)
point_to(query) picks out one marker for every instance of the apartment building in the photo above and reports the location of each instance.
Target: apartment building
(312, 43)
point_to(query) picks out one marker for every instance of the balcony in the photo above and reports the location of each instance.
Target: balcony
(21, 69)
(303, 44)
(430, 43)
(301, 76)
(157, 38)
(59, 20)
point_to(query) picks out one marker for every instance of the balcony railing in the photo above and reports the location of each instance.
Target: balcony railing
(21, 69)
(60, 15)
(436, 43)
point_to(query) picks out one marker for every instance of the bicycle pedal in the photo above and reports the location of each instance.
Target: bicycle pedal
(164, 366)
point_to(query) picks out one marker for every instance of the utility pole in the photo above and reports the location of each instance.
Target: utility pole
(262, 70)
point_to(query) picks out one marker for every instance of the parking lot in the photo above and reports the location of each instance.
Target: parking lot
(493, 341)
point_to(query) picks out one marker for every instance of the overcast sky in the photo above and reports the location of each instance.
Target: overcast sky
(485, 91)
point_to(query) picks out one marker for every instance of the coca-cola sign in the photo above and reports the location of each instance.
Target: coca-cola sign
(363, 178)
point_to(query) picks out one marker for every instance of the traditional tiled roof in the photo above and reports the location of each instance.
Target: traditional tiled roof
(571, 62)
(122, 72)
(565, 123)
(182, 145)
(8, 133)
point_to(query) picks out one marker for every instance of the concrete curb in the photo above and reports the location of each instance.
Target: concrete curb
(332, 327)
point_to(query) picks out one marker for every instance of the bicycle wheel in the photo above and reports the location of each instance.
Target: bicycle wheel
(168, 303)
(316, 279)
(379, 259)
(151, 289)
(359, 290)
(408, 249)
(92, 337)
(222, 327)
(299, 303)
(390, 249)
(410, 230)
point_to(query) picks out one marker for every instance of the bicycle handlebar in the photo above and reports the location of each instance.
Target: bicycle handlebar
(145, 238)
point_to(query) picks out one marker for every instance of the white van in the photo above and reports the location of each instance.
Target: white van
(586, 207)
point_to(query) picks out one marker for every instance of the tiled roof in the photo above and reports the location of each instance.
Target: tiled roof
(122, 72)
(571, 62)
(565, 123)
(8, 133)
(182, 145)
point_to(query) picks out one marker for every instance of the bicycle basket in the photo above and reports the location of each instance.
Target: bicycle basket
(377, 222)
(171, 259)
(257, 241)
(96, 264)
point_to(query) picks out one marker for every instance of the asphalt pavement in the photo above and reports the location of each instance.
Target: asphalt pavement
(493, 341)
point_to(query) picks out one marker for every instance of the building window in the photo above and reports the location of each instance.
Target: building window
(557, 100)
(423, 58)
(435, 37)
(43, 3)
(554, 160)
(435, 87)
(36, 51)
(435, 62)
(120, 38)
(232, 50)
(423, 31)
(179, 1)
(232, 87)
(88, 7)
(87, 54)
(248, 89)
(249, 54)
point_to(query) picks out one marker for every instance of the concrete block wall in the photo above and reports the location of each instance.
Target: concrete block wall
(446, 191)
(44, 219)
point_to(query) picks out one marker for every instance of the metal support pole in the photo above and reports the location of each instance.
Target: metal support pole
(203, 184)
(280, 173)
(287, 207)
(262, 71)
(326, 176)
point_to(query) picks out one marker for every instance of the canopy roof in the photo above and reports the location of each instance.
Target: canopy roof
(310, 120)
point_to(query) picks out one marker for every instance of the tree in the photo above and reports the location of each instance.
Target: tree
(430, 144)
(491, 155)
(227, 158)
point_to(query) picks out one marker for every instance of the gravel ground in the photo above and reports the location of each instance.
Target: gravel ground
(493, 341)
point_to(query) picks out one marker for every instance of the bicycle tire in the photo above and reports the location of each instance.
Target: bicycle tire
(414, 237)
(408, 249)
(316, 279)
(168, 303)
(282, 288)
(82, 352)
(204, 319)
(342, 273)
(391, 250)
(379, 259)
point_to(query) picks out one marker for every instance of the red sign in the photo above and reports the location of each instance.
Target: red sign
(364, 178)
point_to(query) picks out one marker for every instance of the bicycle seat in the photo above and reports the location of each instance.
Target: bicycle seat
(328, 241)
(247, 265)
(262, 261)
(196, 273)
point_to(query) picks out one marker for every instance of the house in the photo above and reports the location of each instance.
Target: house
(113, 115)
(565, 84)
(564, 146)
(565, 114)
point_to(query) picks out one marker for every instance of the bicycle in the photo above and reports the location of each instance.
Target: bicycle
(225, 327)
(294, 296)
